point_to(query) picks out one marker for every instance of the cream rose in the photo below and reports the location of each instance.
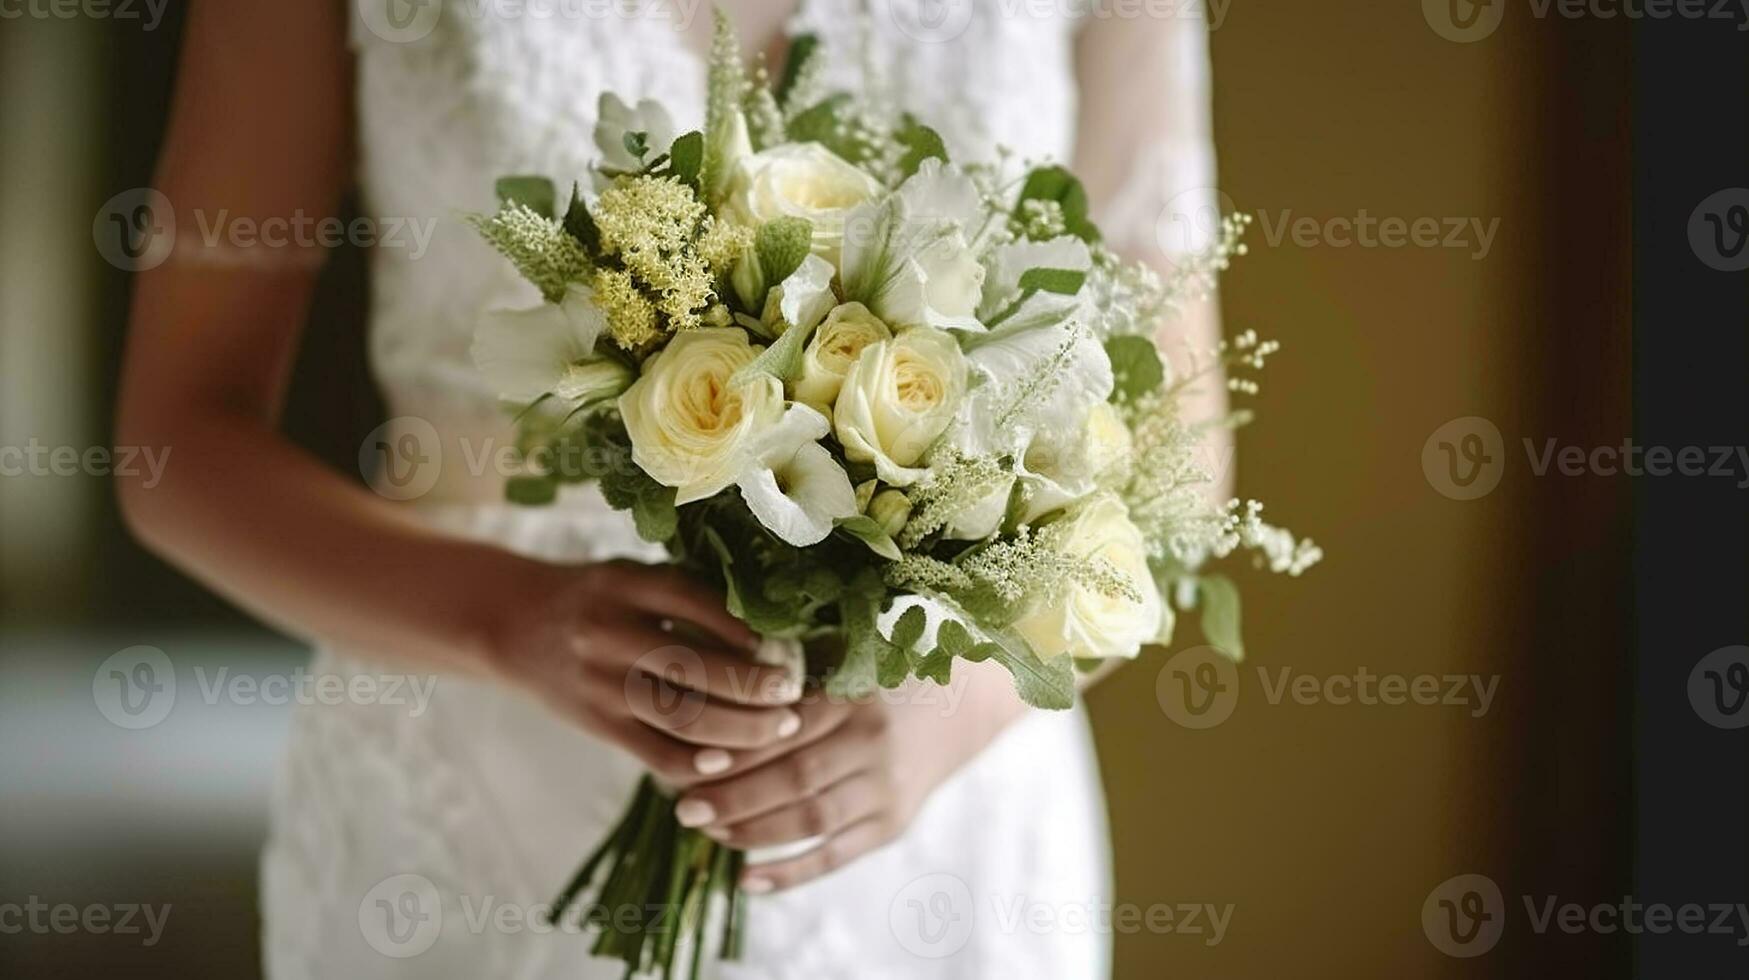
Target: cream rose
(800, 180)
(691, 428)
(835, 346)
(897, 398)
(1085, 621)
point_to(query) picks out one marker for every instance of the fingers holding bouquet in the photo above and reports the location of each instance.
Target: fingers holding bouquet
(648, 659)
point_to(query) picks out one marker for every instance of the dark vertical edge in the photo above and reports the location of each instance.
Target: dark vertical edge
(1691, 568)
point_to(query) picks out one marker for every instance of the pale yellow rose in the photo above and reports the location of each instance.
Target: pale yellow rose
(692, 429)
(800, 180)
(897, 399)
(1085, 621)
(834, 347)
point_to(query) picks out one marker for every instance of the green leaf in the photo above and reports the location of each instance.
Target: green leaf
(531, 491)
(782, 360)
(655, 515)
(530, 191)
(953, 638)
(637, 144)
(909, 629)
(1065, 282)
(687, 156)
(1057, 184)
(580, 224)
(920, 142)
(1219, 599)
(937, 667)
(858, 674)
(1041, 683)
(802, 48)
(1135, 366)
(782, 244)
(824, 123)
(869, 531)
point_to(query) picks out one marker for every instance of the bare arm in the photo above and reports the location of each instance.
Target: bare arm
(1145, 150)
(261, 128)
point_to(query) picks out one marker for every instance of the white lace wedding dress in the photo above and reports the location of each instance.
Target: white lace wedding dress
(409, 844)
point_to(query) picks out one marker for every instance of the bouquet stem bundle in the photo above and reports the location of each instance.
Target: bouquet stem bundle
(651, 888)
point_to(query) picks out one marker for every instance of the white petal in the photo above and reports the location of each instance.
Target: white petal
(1011, 357)
(799, 426)
(524, 353)
(815, 493)
(943, 193)
(1008, 263)
(805, 297)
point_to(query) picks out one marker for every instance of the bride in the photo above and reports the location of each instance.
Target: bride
(421, 843)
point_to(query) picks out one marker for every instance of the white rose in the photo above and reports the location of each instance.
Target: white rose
(897, 399)
(691, 428)
(1082, 620)
(835, 346)
(800, 180)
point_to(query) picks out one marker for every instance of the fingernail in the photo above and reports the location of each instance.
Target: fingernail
(712, 761)
(694, 813)
(756, 886)
(716, 833)
(790, 724)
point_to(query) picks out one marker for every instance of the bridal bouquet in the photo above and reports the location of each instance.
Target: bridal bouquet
(904, 410)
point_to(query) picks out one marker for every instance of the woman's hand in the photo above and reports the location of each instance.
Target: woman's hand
(855, 775)
(650, 660)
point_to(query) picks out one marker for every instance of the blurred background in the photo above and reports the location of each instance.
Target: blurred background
(1326, 829)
